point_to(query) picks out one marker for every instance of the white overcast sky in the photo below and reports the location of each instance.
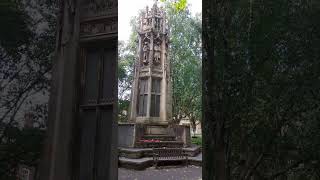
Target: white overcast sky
(130, 8)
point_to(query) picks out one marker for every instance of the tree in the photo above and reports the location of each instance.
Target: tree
(127, 56)
(26, 49)
(25, 67)
(21, 147)
(15, 22)
(258, 95)
(185, 58)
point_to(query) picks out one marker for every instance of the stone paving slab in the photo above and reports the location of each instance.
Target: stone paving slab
(197, 160)
(138, 161)
(198, 157)
(192, 148)
(181, 173)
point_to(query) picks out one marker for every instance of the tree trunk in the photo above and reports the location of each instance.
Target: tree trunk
(214, 131)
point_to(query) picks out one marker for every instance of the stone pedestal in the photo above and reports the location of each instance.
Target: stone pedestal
(148, 136)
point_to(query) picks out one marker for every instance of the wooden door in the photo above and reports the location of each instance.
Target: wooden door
(97, 112)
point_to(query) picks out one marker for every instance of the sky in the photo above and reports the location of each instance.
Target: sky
(130, 8)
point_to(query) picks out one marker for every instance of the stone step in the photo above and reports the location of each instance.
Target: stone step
(160, 137)
(136, 164)
(136, 153)
(169, 144)
(143, 163)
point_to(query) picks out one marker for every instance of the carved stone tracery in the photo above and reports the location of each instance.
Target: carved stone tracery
(98, 18)
(98, 27)
(99, 8)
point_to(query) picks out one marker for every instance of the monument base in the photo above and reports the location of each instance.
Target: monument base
(137, 140)
(141, 158)
(150, 121)
(135, 135)
(152, 135)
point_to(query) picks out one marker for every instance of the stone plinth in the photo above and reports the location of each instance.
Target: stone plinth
(163, 135)
(182, 133)
(126, 134)
(130, 135)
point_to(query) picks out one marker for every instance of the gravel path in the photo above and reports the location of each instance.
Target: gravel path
(181, 173)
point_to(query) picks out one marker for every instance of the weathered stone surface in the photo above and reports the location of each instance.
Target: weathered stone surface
(82, 134)
(136, 164)
(160, 137)
(150, 90)
(157, 130)
(182, 133)
(126, 135)
(135, 153)
(197, 160)
(147, 161)
(169, 144)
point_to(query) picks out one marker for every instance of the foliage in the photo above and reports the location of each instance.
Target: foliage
(127, 56)
(177, 5)
(197, 140)
(261, 92)
(27, 44)
(20, 147)
(14, 21)
(185, 58)
(25, 72)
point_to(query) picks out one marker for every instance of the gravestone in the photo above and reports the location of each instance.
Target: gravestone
(82, 129)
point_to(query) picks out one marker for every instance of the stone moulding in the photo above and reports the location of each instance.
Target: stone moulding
(102, 8)
(98, 28)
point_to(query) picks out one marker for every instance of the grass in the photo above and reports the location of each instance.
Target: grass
(196, 140)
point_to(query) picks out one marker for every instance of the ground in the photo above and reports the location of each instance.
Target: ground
(177, 173)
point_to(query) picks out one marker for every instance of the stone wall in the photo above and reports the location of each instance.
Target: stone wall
(126, 134)
(139, 132)
(182, 132)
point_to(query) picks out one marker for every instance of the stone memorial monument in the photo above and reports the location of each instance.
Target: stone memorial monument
(151, 104)
(150, 111)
